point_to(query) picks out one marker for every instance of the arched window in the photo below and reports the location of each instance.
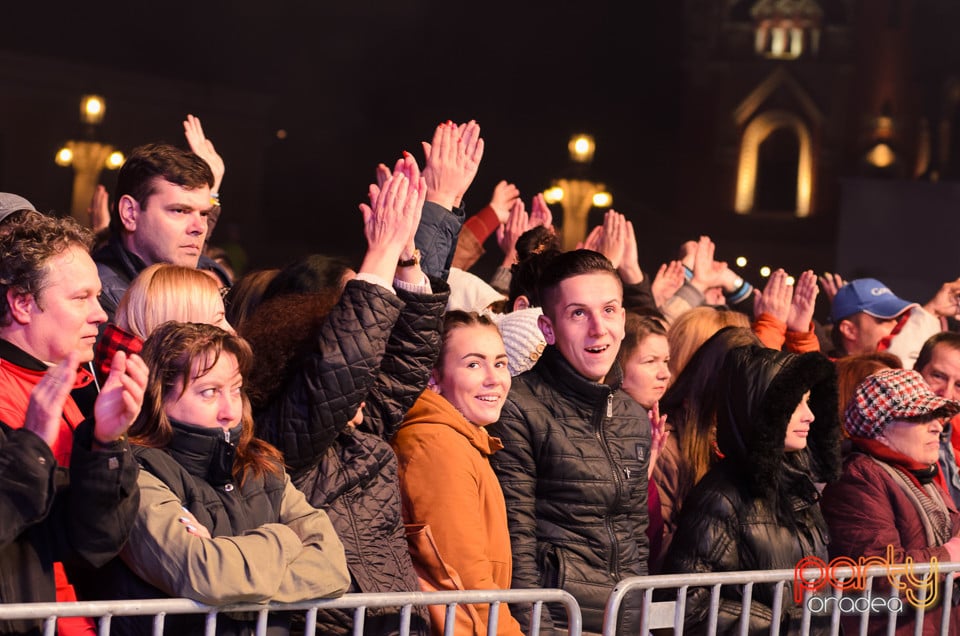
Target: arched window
(776, 150)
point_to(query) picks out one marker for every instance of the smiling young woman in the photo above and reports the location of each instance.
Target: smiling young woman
(446, 480)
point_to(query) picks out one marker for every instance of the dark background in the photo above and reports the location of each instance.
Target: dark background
(353, 85)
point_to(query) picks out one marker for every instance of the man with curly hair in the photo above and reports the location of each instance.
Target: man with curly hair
(48, 309)
(49, 319)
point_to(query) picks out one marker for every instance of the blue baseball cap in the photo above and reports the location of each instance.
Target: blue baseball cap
(870, 296)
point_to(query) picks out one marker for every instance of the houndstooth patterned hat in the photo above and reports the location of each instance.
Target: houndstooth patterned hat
(892, 394)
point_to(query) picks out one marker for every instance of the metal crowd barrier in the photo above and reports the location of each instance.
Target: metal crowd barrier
(834, 579)
(159, 608)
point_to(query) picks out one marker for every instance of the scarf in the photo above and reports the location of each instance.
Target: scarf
(919, 474)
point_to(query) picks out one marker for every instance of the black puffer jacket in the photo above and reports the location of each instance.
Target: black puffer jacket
(45, 516)
(376, 348)
(574, 475)
(758, 508)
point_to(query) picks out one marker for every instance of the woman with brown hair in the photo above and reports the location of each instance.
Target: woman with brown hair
(219, 521)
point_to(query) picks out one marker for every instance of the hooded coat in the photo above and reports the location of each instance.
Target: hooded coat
(758, 508)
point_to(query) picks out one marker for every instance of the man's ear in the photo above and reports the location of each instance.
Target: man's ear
(848, 329)
(129, 210)
(521, 303)
(546, 327)
(21, 305)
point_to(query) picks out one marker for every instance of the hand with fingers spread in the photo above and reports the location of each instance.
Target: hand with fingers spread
(775, 298)
(669, 279)
(803, 303)
(452, 161)
(507, 234)
(45, 410)
(504, 196)
(99, 210)
(540, 213)
(203, 148)
(120, 399)
(831, 283)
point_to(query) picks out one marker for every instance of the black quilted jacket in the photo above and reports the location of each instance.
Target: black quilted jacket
(379, 349)
(574, 475)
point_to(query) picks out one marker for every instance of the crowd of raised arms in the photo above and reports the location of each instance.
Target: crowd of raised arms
(168, 429)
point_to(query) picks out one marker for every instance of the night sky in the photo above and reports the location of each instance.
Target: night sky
(355, 84)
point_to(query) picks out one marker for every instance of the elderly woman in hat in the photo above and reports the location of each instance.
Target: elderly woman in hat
(890, 501)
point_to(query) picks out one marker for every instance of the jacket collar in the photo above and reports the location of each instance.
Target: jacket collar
(566, 379)
(432, 408)
(24, 364)
(205, 453)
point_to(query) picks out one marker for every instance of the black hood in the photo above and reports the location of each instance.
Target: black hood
(758, 391)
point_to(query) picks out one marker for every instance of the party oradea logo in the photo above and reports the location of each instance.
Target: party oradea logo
(843, 574)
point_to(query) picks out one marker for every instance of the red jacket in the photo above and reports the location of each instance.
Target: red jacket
(17, 382)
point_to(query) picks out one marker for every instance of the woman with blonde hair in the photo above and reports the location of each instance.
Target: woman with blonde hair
(693, 328)
(159, 294)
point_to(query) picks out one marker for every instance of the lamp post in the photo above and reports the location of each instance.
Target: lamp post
(88, 158)
(577, 195)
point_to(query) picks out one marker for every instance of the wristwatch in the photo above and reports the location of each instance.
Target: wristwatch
(410, 262)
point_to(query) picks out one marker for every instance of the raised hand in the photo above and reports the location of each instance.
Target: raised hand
(593, 240)
(946, 302)
(629, 268)
(99, 209)
(613, 236)
(658, 436)
(121, 397)
(203, 148)
(452, 161)
(45, 410)
(507, 234)
(831, 283)
(391, 220)
(667, 282)
(775, 298)
(707, 272)
(504, 196)
(540, 213)
(804, 302)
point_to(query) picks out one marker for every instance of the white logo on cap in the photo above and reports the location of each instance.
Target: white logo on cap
(880, 291)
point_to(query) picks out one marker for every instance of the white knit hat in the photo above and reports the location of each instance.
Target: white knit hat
(469, 292)
(522, 338)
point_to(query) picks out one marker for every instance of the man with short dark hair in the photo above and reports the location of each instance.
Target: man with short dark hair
(160, 216)
(939, 364)
(576, 448)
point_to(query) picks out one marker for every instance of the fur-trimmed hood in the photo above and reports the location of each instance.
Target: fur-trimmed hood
(758, 391)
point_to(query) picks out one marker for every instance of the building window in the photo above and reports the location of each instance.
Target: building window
(775, 171)
(784, 29)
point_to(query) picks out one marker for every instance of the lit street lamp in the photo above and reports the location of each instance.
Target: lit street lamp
(577, 195)
(88, 158)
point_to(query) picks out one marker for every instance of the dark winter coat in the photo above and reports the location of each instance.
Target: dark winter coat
(376, 348)
(574, 475)
(867, 511)
(117, 268)
(82, 520)
(758, 508)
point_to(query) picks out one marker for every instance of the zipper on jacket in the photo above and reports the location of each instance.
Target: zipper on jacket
(614, 566)
(226, 435)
